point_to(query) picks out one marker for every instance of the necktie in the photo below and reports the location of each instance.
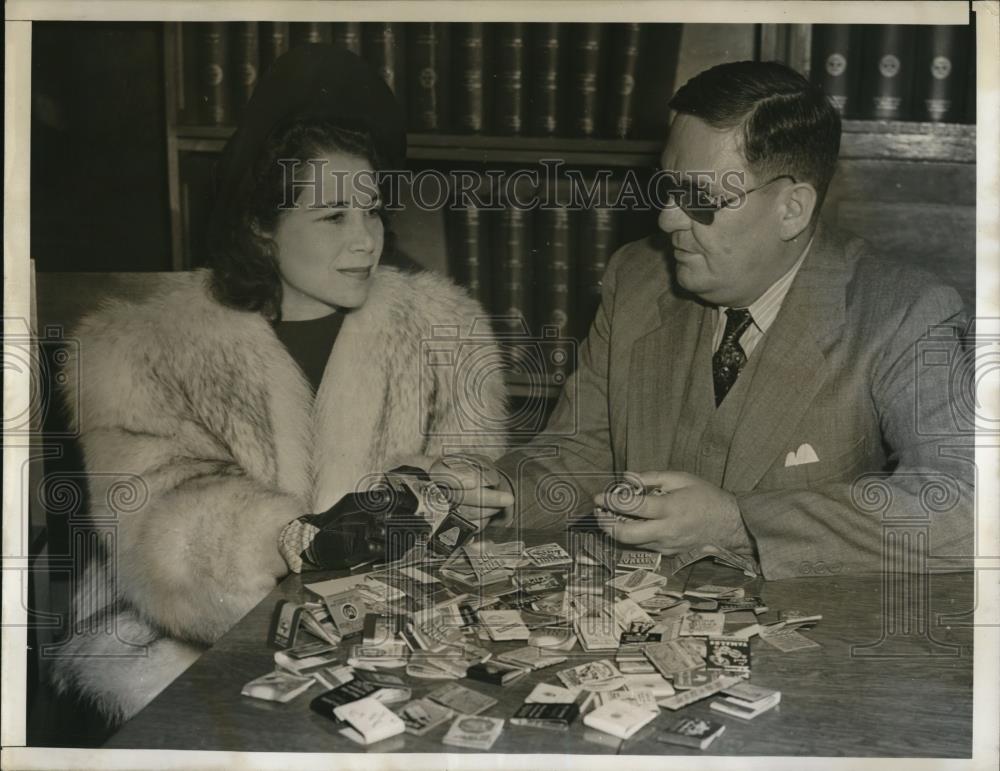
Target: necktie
(730, 358)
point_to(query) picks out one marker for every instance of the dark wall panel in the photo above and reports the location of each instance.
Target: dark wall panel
(98, 156)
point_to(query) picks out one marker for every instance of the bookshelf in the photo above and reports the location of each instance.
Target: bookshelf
(892, 140)
(477, 148)
(907, 186)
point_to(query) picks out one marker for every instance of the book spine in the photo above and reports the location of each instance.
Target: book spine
(383, 48)
(834, 65)
(888, 72)
(246, 60)
(425, 88)
(512, 301)
(511, 94)
(348, 35)
(659, 60)
(598, 240)
(471, 116)
(552, 255)
(189, 83)
(624, 62)
(274, 42)
(214, 55)
(470, 263)
(941, 74)
(586, 86)
(311, 32)
(547, 45)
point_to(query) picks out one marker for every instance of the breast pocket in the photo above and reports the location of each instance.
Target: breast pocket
(842, 464)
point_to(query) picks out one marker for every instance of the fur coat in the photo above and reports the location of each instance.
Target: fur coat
(201, 407)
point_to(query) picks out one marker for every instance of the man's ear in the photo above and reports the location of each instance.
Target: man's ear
(798, 204)
(256, 229)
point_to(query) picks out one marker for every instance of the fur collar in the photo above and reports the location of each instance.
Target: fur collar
(373, 405)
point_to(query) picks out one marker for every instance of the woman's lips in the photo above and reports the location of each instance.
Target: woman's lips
(359, 273)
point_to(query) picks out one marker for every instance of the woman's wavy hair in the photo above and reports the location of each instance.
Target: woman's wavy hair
(242, 258)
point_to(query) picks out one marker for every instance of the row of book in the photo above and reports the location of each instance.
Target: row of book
(538, 272)
(896, 72)
(537, 79)
(574, 79)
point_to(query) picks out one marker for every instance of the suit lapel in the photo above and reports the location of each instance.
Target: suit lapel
(660, 364)
(793, 364)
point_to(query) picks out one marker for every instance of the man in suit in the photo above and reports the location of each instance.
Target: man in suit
(762, 372)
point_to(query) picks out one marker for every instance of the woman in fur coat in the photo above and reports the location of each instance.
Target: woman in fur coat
(265, 388)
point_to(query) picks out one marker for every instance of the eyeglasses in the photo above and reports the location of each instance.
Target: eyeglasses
(700, 206)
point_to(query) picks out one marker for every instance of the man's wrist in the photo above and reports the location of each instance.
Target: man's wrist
(738, 538)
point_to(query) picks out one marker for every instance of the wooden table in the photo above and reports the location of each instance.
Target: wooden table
(912, 698)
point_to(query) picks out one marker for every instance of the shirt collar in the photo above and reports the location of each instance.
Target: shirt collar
(764, 310)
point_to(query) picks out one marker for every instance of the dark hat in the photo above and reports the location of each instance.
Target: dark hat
(320, 81)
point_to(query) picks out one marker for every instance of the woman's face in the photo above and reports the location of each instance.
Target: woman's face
(327, 253)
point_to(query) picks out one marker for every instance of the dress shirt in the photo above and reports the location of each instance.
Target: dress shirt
(763, 311)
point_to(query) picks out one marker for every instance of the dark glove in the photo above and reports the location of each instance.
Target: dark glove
(356, 529)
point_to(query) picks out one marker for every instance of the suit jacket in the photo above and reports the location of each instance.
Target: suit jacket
(202, 439)
(861, 363)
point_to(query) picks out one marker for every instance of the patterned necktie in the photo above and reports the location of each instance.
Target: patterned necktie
(730, 358)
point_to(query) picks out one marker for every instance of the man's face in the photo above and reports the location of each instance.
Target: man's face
(734, 260)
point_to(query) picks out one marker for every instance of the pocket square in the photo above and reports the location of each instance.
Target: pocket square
(805, 454)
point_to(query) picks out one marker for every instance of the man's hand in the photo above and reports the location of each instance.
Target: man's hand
(678, 512)
(476, 485)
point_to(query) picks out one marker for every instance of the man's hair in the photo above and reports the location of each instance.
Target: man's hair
(788, 124)
(243, 259)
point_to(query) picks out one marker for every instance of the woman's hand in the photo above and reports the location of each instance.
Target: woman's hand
(475, 485)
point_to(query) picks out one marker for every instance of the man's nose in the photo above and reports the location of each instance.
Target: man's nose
(672, 219)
